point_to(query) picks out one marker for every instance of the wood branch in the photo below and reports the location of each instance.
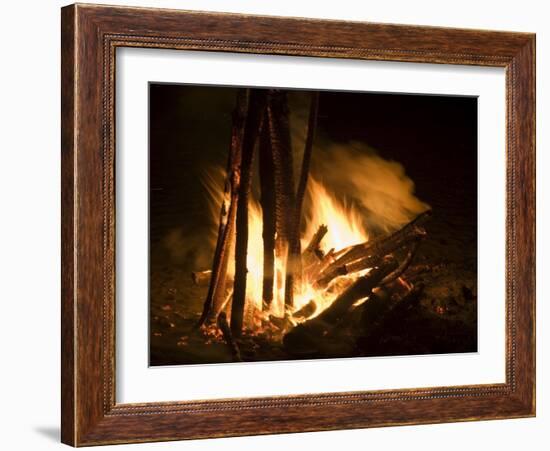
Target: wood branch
(370, 247)
(279, 131)
(226, 228)
(305, 335)
(368, 256)
(201, 278)
(304, 174)
(316, 239)
(267, 201)
(294, 250)
(359, 290)
(403, 266)
(228, 337)
(312, 254)
(312, 272)
(253, 126)
(306, 311)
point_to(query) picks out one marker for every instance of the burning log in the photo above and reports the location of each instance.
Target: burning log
(267, 201)
(283, 324)
(368, 255)
(316, 239)
(228, 337)
(201, 278)
(294, 251)
(377, 245)
(279, 131)
(359, 290)
(312, 254)
(226, 229)
(403, 266)
(306, 311)
(303, 338)
(252, 129)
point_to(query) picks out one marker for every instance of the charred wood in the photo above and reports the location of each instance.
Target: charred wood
(267, 201)
(253, 126)
(367, 255)
(374, 246)
(228, 337)
(294, 255)
(312, 254)
(306, 311)
(359, 290)
(279, 131)
(226, 229)
(403, 266)
(303, 338)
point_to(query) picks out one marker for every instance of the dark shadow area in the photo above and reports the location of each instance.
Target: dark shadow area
(52, 433)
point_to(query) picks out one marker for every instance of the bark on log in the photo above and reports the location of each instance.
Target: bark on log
(228, 337)
(267, 201)
(306, 311)
(253, 126)
(312, 254)
(403, 266)
(294, 269)
(371, 247)
(318, 268)
(279, 131)
(360, 289)
(305, 335)
(368, 256)
(226, 228)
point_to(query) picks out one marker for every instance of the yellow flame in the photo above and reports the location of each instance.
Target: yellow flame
(345, 226)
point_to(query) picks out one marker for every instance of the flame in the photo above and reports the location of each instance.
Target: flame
(345, 228)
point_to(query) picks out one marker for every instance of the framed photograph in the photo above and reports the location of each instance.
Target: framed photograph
(281, 225)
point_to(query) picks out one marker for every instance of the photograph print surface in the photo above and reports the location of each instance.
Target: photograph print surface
(288, 224)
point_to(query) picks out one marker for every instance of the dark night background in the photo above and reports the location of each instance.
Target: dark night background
(433, 137)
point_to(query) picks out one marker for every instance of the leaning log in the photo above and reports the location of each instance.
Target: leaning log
(359, 290)
(228, 337)
(369, 256)
(377, 245)
(267, 201)
(312, 254)
(294, 267)
(403, 266)
(252, 129)
(226, 228)
(303, 338)
(279, 132)
(306, 311)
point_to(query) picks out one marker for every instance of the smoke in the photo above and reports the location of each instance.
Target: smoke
(356, 174)
(191, 244)
(347, 179)
(188, 248)
(378, 186)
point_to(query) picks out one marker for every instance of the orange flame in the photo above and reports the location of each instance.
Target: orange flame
(345, 228)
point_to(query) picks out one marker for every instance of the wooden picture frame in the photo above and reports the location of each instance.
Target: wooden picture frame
(90, 36)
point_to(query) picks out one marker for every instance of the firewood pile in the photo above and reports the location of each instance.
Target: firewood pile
(363, 283)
